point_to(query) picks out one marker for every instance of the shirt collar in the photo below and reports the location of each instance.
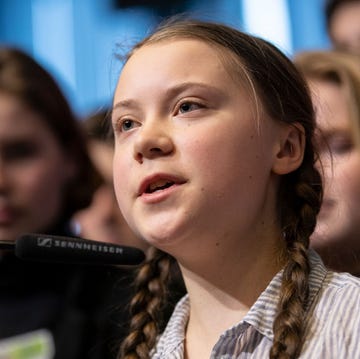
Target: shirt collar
(174, 334)
(262, 314)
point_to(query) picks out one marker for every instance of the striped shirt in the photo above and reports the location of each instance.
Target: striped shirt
(332, 329)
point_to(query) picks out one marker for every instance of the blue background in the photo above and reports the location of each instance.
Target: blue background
(76, 40)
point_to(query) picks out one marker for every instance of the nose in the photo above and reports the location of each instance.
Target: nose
(152, 142)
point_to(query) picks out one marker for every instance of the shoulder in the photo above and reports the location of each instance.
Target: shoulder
(327, 285)
(343, 286)
(333, 320)
(339, 301)
(335, 314)
(333, 293)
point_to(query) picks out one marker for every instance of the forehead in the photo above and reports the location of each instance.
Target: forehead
(17, 120)
(172, 59)
(346, 19)
(191, 48)
(331, 104)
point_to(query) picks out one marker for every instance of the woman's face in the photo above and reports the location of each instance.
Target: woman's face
(191, 162)
(345, 27)
(338, 230)
(33, 171)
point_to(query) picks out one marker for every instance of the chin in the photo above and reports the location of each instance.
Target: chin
(165, 240)
(323, 241)
(320, 236)
(159, 240)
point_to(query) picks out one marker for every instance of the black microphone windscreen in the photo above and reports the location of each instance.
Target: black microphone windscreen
(49, 248)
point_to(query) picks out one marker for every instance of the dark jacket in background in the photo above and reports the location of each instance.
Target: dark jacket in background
(84, 306)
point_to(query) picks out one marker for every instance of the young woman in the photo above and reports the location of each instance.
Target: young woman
(334, 79)
(45, 176)
(214, 166)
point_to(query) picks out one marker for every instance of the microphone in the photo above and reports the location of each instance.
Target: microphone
(61, 249)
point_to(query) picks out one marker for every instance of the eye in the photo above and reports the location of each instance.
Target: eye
(188, 106)
(20, 151)
(126, 125)
(340, 145)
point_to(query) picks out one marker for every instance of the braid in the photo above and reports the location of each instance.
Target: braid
(145, 306)
(299, 223)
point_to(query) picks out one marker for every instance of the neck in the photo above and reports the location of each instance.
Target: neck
(222, 292)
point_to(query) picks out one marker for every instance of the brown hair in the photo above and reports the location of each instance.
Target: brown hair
(340, 68)
(97, 127)
(283, 94)
(23, 78)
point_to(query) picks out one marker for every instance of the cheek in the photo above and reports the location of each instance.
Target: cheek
(346, 177)
(37, 178)
(231, 172)
(121, 180)
(222, 153)
(42, 182)
(124, 186)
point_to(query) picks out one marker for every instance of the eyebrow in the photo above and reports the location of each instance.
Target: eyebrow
(124, 104)
(334, 132)
(129, 103)
(186, 85)
(169, 93)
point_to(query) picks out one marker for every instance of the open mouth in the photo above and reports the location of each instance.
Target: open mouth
(159, 186)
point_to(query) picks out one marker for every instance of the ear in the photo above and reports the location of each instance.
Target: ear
(290, 149)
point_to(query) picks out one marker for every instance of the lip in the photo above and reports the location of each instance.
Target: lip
(159, 194)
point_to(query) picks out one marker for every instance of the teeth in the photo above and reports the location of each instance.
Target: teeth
(159, 185)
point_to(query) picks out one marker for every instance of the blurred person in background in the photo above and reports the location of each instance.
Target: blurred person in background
(46, 175)
(102, 220)
(334, 80)
(343, 24)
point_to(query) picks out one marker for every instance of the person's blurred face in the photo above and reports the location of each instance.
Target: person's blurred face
(337, 235)
(33, 171)
(345, 27)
